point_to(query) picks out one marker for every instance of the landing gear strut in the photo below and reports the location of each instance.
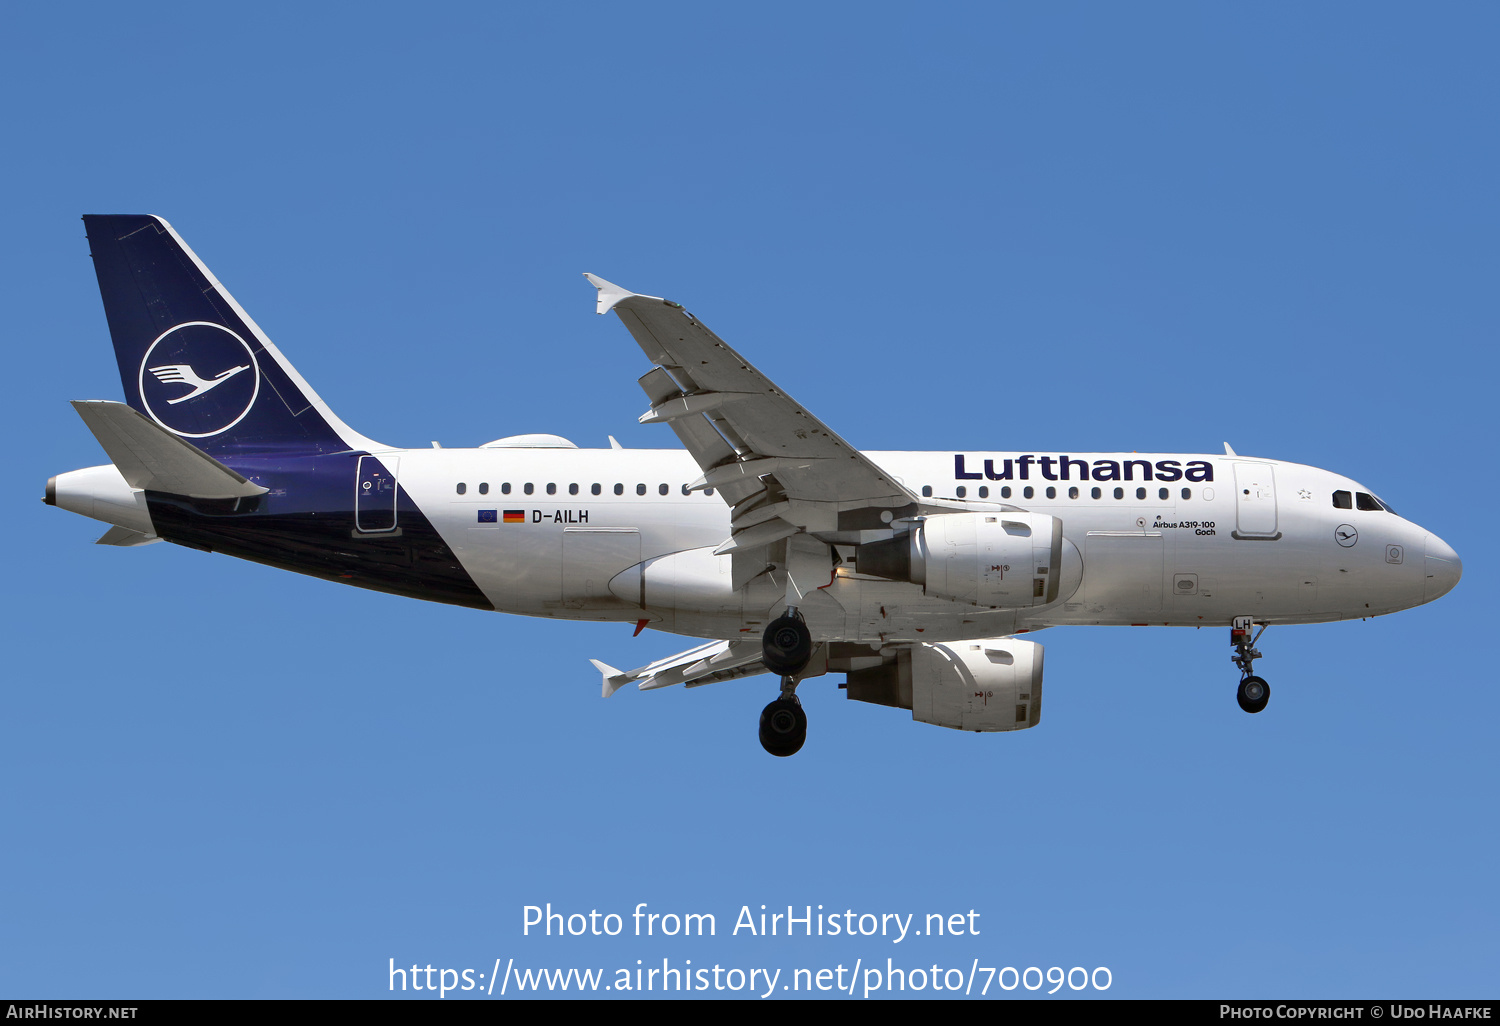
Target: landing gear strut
(1254, 692)
(786, 649)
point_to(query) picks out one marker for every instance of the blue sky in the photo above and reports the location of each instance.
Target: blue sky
(1047, 227)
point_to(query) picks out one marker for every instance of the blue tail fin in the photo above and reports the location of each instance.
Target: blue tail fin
(191, 359)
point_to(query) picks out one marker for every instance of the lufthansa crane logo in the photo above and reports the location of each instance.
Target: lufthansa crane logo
(199, 379)
(184, 373)
(1345, 535)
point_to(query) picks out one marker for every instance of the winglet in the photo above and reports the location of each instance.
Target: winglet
(614, 680)
(609, 292)
(1228, 451)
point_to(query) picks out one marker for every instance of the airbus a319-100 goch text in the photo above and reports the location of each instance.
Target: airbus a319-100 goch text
(916, 574)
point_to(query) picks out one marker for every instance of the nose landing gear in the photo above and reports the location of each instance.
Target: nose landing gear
(1254, 692)
(1253, 695)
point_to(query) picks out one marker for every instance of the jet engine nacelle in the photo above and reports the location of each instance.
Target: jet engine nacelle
(988, 685)
(996, 560)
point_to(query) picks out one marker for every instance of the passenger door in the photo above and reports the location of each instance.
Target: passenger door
(1255, 501)
(375, 495)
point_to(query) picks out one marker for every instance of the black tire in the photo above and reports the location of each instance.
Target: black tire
(783, 727)
(786, 646)
(1253, 695)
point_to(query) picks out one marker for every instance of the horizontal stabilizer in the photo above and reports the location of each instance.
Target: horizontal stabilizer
(126, 538)
(152, 458)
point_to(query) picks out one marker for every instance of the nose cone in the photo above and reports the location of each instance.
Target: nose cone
(1444, 568)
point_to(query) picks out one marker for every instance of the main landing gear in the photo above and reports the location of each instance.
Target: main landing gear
(783, 724)
(786, 650)
(1254, 692)
(786, 645)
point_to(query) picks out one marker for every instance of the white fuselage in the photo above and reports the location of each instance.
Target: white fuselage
(1261, 538)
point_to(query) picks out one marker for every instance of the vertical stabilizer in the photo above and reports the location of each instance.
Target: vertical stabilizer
(191, 359)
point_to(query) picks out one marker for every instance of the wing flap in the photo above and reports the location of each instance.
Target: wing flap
(718, 660)
(697, 434)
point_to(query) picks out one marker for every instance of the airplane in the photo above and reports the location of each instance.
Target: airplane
(914, 574)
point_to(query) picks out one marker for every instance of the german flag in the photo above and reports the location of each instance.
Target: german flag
(515, 516)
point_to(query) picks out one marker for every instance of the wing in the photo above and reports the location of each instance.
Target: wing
(781, 469)
(713, 663)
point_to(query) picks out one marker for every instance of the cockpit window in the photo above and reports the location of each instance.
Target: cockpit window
(1366, 501)
(1343, 500)
(1386, 506)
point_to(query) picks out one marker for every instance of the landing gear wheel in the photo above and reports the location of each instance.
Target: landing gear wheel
(1253, 695)
(786, 646)
(783, 727)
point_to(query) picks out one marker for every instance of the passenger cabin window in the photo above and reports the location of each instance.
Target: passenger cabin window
(1005, 491)
(528, 488)
(1343, 500)
(984, 491)
(551, 488)
(1051, 492)
(505, 488)
(662, 489)
(1140, 493)
(1163, 493)
(619, 489)
(640, 489)
(1073, 492)
(962, 491)
(594, 489)
(462, 488)
(484, 488)
(1096, 493)
(572, 489)
(685, 490)
(927, 491)
(1187, 493)
(708, 491)
(1119, 493)
(1028, 491)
